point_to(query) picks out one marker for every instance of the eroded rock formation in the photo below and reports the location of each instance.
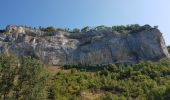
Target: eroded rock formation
(93, 47)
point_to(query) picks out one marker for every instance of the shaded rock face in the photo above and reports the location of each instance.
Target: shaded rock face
(91, 48)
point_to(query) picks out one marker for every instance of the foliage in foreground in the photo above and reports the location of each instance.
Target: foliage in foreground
(21, 82)
(29, 81)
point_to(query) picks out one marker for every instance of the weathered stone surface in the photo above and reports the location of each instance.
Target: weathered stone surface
(93, 47)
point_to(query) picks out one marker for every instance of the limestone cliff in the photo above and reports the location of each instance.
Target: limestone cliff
(97, 46)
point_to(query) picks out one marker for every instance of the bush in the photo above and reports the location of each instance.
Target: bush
(49, 29)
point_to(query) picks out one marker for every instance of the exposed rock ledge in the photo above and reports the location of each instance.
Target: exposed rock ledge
(93, 47)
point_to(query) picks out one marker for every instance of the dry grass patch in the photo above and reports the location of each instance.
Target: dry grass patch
(56, 69)
(89, 95)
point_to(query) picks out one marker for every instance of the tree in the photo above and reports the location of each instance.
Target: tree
(156, 94)
(102, 27)
(31, 80)
(146, 27)
(8, 70)
(156, 27)
(48, 29)
(169, 49)
(24, 81)
(67, 30)
(85, 29)
(2, 31)
(166, 95)
(76, 30)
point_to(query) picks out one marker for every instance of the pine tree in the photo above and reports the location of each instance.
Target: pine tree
(8, 70)
(31, 80)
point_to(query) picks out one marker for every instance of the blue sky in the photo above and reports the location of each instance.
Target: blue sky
(79, 13)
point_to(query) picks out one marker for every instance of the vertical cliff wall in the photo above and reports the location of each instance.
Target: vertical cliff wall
(103, 46)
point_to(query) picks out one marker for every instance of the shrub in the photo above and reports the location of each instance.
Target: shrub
(49, 29)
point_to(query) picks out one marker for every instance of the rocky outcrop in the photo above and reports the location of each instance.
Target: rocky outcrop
(93, 47)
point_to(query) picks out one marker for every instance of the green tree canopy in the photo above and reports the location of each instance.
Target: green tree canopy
(22, 81)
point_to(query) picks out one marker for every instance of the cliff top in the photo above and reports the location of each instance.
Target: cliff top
(133, 28)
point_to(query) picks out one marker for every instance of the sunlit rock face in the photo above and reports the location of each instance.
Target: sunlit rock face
(95, 47)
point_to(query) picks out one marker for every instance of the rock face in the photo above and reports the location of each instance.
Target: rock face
(91, 48)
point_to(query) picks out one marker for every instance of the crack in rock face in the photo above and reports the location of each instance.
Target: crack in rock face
(95, 47)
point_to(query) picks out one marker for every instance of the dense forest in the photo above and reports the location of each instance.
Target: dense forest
(29, 79)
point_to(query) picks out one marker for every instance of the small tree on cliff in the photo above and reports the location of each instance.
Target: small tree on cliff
(76, 30)
(85, 29)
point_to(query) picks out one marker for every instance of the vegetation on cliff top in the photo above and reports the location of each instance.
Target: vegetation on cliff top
(30, 81)
(133, 28)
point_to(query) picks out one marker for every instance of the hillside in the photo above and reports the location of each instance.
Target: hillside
(102, 63)
(30, 80)
(89, 46)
